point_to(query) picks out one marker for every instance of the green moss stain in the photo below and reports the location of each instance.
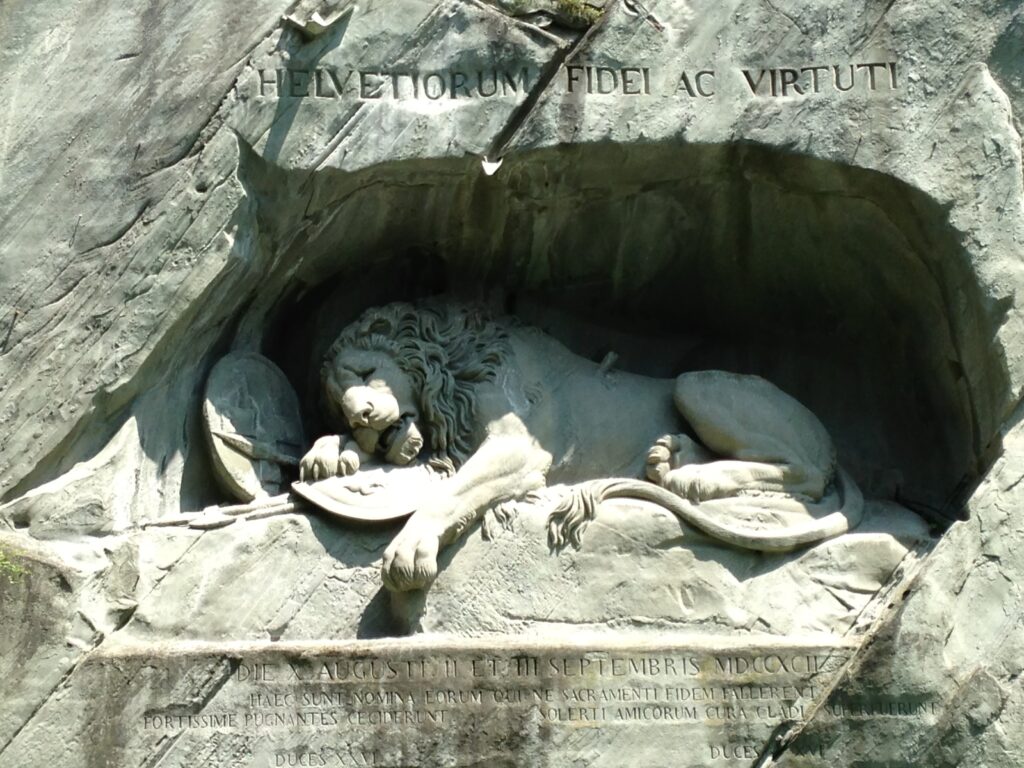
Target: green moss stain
(10, 570)
(579, 12)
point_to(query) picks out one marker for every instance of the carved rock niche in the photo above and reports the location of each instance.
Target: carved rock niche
(845, 287)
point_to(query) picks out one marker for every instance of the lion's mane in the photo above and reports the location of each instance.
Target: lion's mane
(446, 349)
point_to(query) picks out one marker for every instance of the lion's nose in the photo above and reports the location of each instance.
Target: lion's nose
(362, 417)
(357, 405)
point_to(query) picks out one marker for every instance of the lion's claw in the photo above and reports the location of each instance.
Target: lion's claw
(327, 458)
(410, 561)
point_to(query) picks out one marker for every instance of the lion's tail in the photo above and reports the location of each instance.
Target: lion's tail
(567, 523)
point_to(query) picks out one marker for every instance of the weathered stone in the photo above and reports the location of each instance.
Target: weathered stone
(639, 568)
(829, 196)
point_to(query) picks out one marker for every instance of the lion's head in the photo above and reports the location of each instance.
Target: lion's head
(401, 363)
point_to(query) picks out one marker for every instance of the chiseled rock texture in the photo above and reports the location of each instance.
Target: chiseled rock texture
(639, 568)
(168, 195)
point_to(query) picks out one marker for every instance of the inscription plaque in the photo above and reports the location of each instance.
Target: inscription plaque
(398, 705)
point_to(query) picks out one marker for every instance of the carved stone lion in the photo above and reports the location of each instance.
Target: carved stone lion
(504, 410)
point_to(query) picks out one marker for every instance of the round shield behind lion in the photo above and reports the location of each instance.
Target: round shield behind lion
(253, 425)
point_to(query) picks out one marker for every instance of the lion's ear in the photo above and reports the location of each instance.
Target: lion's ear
(379, 325)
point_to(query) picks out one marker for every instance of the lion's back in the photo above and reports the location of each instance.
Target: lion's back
(749, 418)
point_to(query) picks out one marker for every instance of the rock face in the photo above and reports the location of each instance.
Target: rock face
(642, 569)
(830, 196)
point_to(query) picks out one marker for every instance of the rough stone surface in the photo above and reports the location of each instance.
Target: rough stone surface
(640, 568)
(170, 196)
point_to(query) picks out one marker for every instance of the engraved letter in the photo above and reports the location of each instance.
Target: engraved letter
(509, 82)
(705, 73)
(299, 82)
(318, 86)
(396, 83)
(274, 81)
(684, 82)
(494, 83)
(572, 72)
(789, 78)
(838, 79)
(458, 81)
(338, 84)
(816, 83)
(441, 87)
(754, 86)
(630, 87)
(370, 89)
(871, 73)
(612, 86)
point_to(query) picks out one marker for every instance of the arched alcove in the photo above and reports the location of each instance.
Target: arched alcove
(845, 287)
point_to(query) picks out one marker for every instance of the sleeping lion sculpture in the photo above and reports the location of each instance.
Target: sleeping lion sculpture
(503, 410)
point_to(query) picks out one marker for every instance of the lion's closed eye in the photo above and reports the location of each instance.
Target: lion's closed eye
(362, 373)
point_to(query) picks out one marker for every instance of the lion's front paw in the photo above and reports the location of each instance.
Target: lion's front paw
(327, 458)
(410, 561)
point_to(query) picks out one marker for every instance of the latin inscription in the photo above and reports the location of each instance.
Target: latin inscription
(628, 81)
(762, 82)
(579, 79)
(329, 83)
(330, 710)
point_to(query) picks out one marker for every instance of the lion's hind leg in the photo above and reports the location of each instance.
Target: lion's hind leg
(769, 440)
(721, 479)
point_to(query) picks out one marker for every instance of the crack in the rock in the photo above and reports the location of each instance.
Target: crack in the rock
(60, 684)
(958, 708)
(351, 122)
(214, 684)
(277, 632)
(167, 572)
(874, 27)
(120, 234)
(787, 732)
(166, 745)
(777, 743)
(223, 109)
(161, 748)
(352, 119)
(530, 27)
(522, 113)
(800, 28)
